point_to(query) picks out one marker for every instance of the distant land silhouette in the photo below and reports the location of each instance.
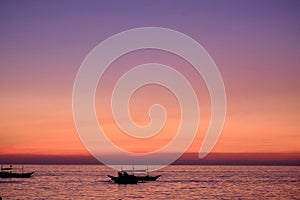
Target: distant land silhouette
(185, 159)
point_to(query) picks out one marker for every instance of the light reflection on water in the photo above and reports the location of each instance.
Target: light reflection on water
(176, 182)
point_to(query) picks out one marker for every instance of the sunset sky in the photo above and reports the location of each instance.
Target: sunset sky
(255, 44)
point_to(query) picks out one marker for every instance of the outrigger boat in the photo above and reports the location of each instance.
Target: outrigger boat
(7, 172)
(125, 178)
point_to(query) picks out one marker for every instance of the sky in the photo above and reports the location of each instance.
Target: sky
(255, 44)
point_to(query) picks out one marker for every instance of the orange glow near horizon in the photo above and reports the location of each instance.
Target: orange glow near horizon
(44, 124)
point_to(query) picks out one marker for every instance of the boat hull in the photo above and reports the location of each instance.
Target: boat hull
(131, 179)
(15, 175)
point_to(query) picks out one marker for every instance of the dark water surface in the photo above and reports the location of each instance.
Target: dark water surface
(176, 182)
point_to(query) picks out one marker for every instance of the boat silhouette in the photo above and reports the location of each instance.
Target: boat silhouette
(7, 172)
(125, 178)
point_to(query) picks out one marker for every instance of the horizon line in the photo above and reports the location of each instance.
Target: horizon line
(190, 158)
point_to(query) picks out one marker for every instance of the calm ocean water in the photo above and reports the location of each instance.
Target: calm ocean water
(176, 182)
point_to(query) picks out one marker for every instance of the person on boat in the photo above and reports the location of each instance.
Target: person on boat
(120, 174)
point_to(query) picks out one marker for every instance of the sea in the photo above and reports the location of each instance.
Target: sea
(176, 182)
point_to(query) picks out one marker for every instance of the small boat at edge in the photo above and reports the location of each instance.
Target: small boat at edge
(7, 172)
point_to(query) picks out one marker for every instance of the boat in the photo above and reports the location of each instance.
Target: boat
(7, 172)
(125, 178)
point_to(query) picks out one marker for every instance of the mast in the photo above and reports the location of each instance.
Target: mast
(132, 169)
